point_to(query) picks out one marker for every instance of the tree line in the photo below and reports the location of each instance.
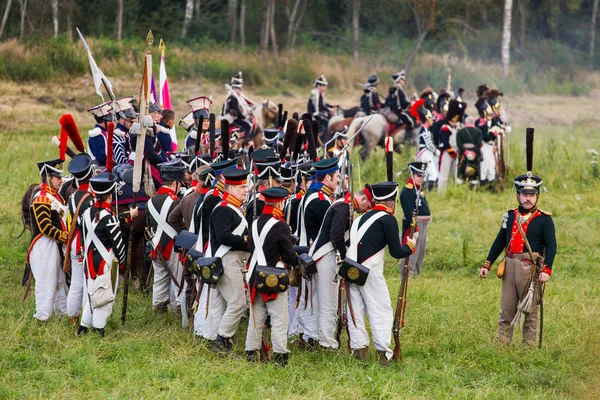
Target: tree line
(487, 29)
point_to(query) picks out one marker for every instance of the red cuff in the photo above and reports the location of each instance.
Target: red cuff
(547, 270)
(487, 265)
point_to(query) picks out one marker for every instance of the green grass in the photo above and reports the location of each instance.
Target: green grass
(448, 343)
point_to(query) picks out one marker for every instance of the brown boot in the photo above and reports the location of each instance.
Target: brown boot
(362, 354)
(74, 321)
(382, 356)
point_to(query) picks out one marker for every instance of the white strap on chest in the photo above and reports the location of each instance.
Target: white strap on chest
(90, 237)
(301, 220)
(161, 221)
(317, 254)
(223, 249)
(258, 256)
(356, 233)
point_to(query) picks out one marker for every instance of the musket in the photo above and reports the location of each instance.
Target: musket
(449, 82)
(401, 303)
(137, 165)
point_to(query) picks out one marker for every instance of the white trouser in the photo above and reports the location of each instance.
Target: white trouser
(295, 315)
(50, 283)
(206, 326)
(77, 290)
(372, 299)
(278, 311)
(164, 289)
(229, 291)
(488, 164)
(427, 156)
(97, 317)
(322, 317)
(185, 323)
(447, 170)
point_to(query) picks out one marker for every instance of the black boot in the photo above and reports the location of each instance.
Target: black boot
(100, 331)
(161, 308)
(281, 359)
(222, 345)
(82, 330)
(252, 355)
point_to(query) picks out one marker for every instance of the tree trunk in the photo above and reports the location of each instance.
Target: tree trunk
(592, 31)
(355, 27)
(483, 11)
(523, 13)
(294, 20)
(505, 50)
(119, 19)
(273, 34)
(23, 14)
(5, 17)
(232, 6)
(413, 55)
(55, 17)
(465, 31)
(196, 9)
(70, 24)
(265, 29)
(187, 18)
(243, 23)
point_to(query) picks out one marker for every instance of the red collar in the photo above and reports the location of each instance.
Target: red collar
(349, 197)
(202, 190)
(410, 180)
(84, 187)
(48, 189)
(231, 199)
(165, 190)
(274, 211)
(102, 205)
(381, 207)
(193, 183)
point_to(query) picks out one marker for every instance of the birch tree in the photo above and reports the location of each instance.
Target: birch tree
(592, 31)
(187, 18)
(505, 48)
(5, 17)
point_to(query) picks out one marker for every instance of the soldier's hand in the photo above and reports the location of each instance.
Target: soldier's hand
(483, 272)
(544, 277)
(412, 242)
(133, 212)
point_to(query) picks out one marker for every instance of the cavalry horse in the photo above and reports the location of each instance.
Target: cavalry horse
(374, 132)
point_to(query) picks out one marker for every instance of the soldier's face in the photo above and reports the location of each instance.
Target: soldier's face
(332, 180)
(527, 200)
(418, 179)
(55, 182)
(239, 191)
(364, 204)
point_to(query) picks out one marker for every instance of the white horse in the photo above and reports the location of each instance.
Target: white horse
(373, 132)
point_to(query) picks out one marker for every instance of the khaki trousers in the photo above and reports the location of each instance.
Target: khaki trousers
(230, 288)
(278, 311)
(515, 284)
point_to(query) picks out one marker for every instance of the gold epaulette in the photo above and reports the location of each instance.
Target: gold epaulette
(41, 200)
(511, 209)
(409, 186)
(545, 212)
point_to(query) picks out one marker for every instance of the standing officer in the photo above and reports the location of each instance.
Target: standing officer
(526, 231)
(317, 107)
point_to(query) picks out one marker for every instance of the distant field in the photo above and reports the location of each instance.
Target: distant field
(448, 343)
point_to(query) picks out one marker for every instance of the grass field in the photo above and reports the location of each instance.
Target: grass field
(449, 340)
